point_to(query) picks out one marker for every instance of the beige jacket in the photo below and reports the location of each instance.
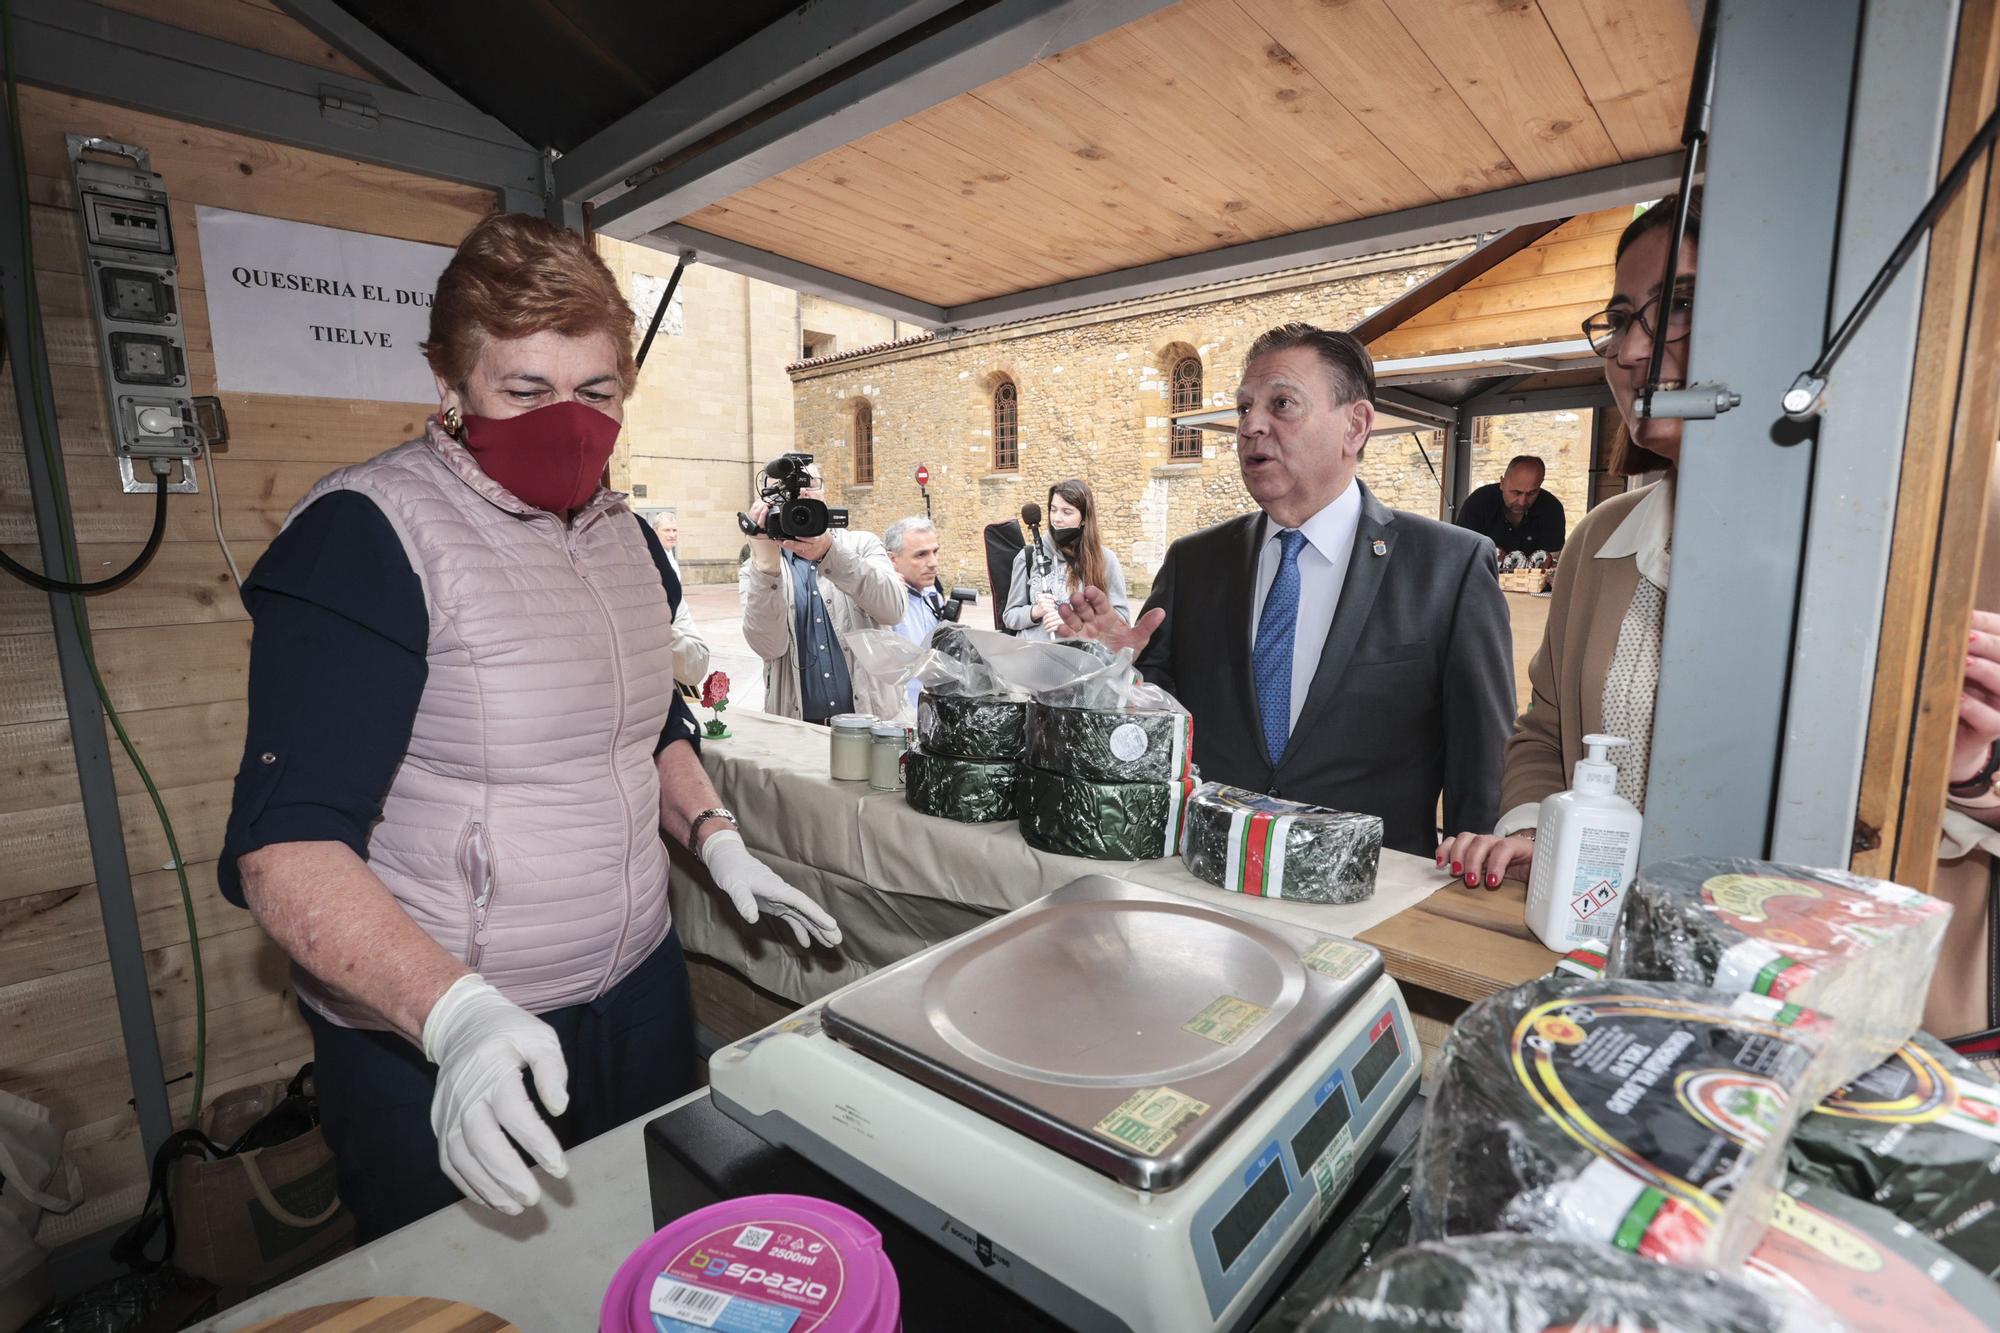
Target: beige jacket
(1567, 674)
(862, 591)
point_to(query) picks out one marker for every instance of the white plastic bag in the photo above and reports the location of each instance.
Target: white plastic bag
(37, 1179)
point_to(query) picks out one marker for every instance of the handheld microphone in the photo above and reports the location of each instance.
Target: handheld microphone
(1031, 514)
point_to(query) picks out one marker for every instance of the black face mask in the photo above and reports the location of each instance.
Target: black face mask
(1066, 539)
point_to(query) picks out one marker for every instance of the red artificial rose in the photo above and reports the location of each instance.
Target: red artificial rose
(715, 690)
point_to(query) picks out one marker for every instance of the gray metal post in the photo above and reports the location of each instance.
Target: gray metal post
(1892, 165)
(33, 398)
(1767, 257)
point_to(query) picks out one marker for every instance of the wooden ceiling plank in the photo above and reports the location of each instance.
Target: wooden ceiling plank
(1364, 57)
(867, 217)
(1142, 86)
(1505, 63)
(1633, 58)
(1552, 324)
(918, 191)
(1294, 117)
(982, 130)
(755, 217)
(1075, 237)
(1052, 109)
(1476, 300)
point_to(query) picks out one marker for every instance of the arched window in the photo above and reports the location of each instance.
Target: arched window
(1187, 398)
(1006, 428)
(864, 444)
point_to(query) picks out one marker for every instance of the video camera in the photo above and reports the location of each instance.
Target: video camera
(788, 515)
(951, 607)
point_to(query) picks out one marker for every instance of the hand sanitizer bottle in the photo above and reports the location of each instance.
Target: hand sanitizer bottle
(1586, 850)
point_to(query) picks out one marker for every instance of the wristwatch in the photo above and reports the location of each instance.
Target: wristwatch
(694, 825)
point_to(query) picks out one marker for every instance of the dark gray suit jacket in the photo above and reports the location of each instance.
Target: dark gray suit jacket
(1415, 689)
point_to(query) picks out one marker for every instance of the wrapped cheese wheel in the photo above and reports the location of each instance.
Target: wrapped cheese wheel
(1647, 1116)
(1251, 843)
(1919, 1136)
(1520, 1284)
(991, 727)
(1111, 744)
(1867, 1271)
(1860, 951)
(970, 791)
(1109, 821)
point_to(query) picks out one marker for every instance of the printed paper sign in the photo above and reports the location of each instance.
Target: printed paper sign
(317, 312)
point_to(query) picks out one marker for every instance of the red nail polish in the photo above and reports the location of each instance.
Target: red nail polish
(1492, 881)
(1457, 869)
(1472, 881)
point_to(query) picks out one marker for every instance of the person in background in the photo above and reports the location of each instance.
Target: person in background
(1515, 513)
(912, 544)
(690, 649)
(1331, 649)
(799, 597)
(463, 745)
(1070, 555)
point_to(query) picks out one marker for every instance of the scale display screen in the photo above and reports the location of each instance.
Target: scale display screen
(1313, 1136)
(1381, 1058)
(1240, 1225)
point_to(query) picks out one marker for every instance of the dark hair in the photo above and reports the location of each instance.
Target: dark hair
(1527, 460)
(1629, 458)
(1087, 566)
(1353, 369)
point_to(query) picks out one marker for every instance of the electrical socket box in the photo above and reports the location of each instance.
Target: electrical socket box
(129, 251)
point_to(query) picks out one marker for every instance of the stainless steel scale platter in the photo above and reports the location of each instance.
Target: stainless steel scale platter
(1050, 1021)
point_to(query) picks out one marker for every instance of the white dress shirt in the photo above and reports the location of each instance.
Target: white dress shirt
(1322, 573)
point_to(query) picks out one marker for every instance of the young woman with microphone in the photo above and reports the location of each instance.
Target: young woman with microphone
(1069, 556)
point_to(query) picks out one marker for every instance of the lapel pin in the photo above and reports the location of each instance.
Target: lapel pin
(1381, 547)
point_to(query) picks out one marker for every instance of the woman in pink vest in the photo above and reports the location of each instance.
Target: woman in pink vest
(464, 743)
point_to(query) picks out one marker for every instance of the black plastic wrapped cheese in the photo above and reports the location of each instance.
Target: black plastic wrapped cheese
(983, 727)
(1520, 1284)
(1860, 951)
(1647, 1116)
(1247, 842)
(1111, 745)
(1109, 821)
(1866, 1271)
(970, 791)
(1919, 1136)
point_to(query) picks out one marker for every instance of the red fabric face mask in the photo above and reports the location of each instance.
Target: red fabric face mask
(550, 458)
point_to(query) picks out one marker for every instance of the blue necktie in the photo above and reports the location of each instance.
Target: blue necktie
(1271, 662)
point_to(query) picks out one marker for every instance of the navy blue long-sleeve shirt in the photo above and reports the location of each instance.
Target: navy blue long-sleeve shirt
(337, 671)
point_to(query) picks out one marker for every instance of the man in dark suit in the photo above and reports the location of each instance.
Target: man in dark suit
(1331, 649)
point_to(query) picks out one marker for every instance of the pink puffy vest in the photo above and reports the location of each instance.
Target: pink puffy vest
(522, 829)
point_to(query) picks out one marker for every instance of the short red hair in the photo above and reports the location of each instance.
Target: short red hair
(515, 275)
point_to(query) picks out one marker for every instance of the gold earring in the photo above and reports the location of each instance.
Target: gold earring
(454, 424)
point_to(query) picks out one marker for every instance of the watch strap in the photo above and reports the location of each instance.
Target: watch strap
(695, 824)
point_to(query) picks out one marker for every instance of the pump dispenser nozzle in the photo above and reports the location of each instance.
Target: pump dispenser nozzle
(1595, 772)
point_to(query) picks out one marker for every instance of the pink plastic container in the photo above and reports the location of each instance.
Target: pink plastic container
(770, 1263)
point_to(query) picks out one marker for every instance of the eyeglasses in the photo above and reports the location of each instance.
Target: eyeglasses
(1607, 328)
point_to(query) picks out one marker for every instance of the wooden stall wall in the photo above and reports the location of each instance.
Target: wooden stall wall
(173, 647)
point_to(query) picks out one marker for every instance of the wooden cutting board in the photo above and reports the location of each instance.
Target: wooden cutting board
(388, 1314)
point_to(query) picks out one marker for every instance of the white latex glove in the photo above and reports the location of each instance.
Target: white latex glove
(753, 887)
(480, 1042)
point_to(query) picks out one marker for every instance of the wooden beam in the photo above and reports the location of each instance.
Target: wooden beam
(1427, 294)
(1940, 509)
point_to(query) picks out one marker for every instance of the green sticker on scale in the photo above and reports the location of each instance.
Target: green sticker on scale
(1226, 1020)
(1335, 958)
(1150, 1119)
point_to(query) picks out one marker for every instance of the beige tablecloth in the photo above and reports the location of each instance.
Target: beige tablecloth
(899, 881)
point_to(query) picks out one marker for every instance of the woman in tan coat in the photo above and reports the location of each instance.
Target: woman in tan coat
(1599, 663)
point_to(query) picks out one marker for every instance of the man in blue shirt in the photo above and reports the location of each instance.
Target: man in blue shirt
(912, 544)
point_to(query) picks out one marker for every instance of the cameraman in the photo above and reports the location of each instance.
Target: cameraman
(799, 597)
(913, 550)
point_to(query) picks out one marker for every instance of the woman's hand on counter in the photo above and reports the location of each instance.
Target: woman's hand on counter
(1486, 859)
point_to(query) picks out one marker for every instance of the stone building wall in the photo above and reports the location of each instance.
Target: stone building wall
(1094, 402)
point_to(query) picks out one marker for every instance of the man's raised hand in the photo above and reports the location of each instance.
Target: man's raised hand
(1089, 615)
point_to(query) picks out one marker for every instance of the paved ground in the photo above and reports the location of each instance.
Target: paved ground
(720, 619)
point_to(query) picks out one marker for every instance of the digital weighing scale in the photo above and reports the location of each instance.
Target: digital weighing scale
(1132, 1108)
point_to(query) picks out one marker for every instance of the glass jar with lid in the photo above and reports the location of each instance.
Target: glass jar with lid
(889, 743)
(850, 746)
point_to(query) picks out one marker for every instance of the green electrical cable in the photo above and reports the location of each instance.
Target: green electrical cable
(38, 377)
